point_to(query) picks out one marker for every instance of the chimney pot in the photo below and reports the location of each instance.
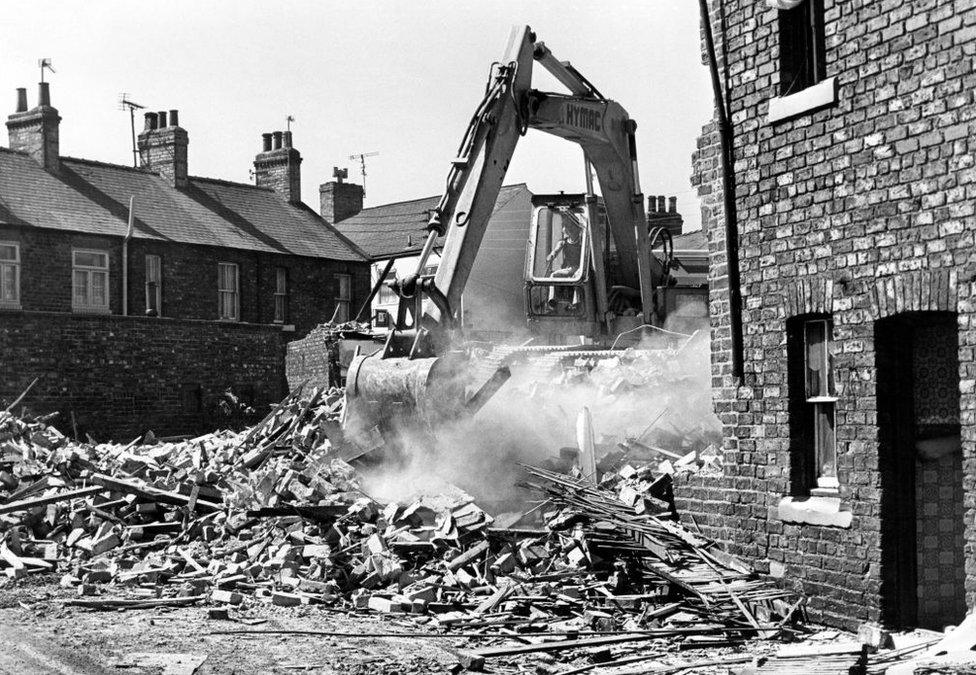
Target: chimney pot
(162, 119)
(277, 140)
(266, 142)
(174, 118)
(661, 205)
(44, 93)
(652, 204)
(673, 205)
(151, 120)
(286, 139)
(21, 99)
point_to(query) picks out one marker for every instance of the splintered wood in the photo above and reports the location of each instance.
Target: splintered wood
(274, 516)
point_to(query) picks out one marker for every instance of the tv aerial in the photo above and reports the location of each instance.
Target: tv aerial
(362, 165)
(45, 64)
(125, 103)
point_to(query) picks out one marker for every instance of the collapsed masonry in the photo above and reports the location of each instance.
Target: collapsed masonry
(274, 515)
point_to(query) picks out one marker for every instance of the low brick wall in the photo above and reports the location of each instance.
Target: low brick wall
(122, 376)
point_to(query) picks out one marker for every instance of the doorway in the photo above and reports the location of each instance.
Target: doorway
(920, 457)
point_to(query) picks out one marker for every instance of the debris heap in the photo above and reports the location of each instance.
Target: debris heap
(272, 515)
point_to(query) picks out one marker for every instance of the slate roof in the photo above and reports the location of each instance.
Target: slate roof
(93, 198)
(691, 241)
(400, 229)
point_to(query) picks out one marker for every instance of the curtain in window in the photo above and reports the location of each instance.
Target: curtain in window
(783, 4)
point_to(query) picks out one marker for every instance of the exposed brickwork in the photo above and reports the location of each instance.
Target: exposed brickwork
(36, 132)
(338, 201)
(122, 376)
(189, 278)
(165, 151)
(861, 210)
(280, 168)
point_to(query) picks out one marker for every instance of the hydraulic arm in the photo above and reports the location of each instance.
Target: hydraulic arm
(429, 307)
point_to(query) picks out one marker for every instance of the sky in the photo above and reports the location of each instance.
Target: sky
(397, 78)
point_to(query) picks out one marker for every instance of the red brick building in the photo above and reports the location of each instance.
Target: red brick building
(132, 329)
(850, 439)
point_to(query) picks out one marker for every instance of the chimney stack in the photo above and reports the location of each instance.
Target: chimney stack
(278, 166)
(338, 200)
(660, 216)
(163, 147)
(36, 131)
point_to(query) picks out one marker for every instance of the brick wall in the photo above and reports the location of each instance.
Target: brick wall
(189, 278)
(862, 210)
(122, 376)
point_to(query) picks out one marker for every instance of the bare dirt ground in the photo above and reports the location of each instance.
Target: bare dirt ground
(39, 634)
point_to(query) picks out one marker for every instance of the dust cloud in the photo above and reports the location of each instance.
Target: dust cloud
(657, 392)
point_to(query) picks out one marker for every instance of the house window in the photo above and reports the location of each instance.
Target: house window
(801, 46)
(386, 295)
(343, 297)
(89, 281)
(154, 279)
(281, 295)
(813, 402)
(9, 274)
(228, 291)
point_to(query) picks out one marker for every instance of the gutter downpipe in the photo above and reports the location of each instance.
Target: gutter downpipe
(125, 259)
(728, 189)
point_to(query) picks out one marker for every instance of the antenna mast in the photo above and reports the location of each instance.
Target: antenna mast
(45, 64)
(131, 106)
(362, 165)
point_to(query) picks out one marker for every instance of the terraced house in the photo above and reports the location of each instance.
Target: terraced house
(850, 428)
(140, 295)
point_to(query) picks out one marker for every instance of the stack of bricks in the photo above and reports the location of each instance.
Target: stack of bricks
(863, 209)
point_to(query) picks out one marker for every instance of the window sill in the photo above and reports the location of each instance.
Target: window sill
(814, 510)
(10, 305)
(287, 327)
(90, 310)
(807, 100)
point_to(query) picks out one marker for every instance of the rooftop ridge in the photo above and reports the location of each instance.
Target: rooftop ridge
(112, 165)
(424, 199)
(232, 183)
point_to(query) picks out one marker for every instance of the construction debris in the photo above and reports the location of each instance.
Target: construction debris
(273, 516)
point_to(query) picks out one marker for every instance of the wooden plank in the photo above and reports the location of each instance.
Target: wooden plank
(26, 504)
(151, 493)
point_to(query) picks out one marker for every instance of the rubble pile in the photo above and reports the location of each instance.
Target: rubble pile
(272, 515)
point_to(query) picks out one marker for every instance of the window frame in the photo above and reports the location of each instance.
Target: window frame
(159, 283)
(343, 302)
(235, 292)
(15, 264)
(803, 24)
(805, 87)
(822, 405)
(281, 295)
(90, 271)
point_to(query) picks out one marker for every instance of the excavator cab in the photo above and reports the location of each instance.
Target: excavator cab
(558, 270)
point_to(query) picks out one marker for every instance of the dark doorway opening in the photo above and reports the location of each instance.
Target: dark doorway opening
(922, 529)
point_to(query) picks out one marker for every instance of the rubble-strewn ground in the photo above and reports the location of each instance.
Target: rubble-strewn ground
(260, 551)
(41, 635)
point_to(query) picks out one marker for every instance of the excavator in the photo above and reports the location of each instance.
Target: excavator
(593, 270)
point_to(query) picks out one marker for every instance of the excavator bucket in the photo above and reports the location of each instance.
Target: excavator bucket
(386, 395)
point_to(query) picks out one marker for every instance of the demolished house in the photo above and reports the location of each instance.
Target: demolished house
(846, 393)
